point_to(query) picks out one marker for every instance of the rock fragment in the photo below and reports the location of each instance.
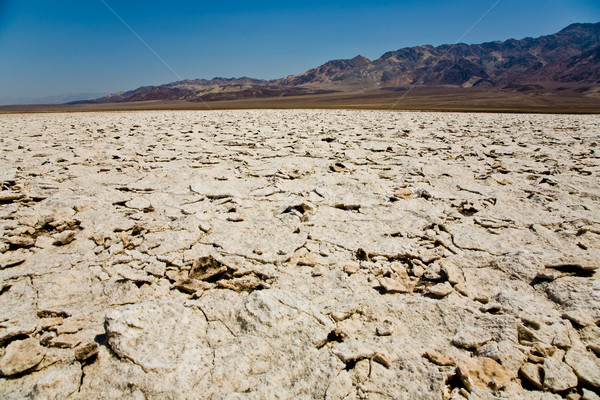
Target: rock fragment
(385, 328)
(66, 341)
(382, 359)
(208, 268)
(589, 395)
(558, 376)
(13, 258)
(439, 358)
(20, 241)
(9, 197)
(64, 237)
(58, 383)
(483, 373)
(470, 338)
(533, 373)
(440, 290)
(585, 365)
(392, 285)
(21, 356)
(86, 351)
(140, 203)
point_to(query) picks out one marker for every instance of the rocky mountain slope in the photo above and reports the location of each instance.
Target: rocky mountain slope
(569, 59)
(206, 90)
(279, 254)
(567, 56)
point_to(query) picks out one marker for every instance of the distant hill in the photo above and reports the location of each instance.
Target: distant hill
(567, 60)
(57, 99)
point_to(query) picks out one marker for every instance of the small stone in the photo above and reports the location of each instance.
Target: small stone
(351, 268)
(462, 289)
(417, 270)
(526, 336)
(47, 337)
(130, 274)
(205, 268)
(404, 193)
(342, 315)
(382, 359)
(7, 333)
(579, 318)
(453, 273)
(531, 321)
(337, 167)
(58, 383)
(533, 374)
(13, 258)
(434, 273)
(20, 241)
(483, 373)
(558, 376)
(246, 283)
(492, 308)
(68, 327)
(439, 359)
(156, 268)
(391, 285)
(595, 348)
(440, 290)
(548, 275)
(318, 270)
(589, 395)
(140, 203)
(489, 350)
(191, 285)
(66, 341)
(21, 356)
(386, 328)
(63, 238)
(86, 350)
(468, 339)
(9, 197)
(340, 387)
(576, 264)
(44, 242)
(535, 359)
(309, 260)
(585, 365)
(543, 350)
(482, 298)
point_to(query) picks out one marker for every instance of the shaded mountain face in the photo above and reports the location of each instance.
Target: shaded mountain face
(209, 90)
(571, 56)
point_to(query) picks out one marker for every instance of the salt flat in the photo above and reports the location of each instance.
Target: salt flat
(299, 254)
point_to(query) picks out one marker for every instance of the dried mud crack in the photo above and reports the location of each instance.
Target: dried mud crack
(299, 254)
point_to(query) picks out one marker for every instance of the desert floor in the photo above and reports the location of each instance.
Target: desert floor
(299, 254)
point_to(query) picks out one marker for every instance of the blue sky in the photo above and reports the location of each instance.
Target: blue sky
(78, 46)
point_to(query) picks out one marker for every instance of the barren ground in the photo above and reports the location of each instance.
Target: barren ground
(299, 254)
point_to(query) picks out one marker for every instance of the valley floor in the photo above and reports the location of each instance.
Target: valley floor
(299, 254)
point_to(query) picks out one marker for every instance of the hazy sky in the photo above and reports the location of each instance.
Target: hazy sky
(75, 46)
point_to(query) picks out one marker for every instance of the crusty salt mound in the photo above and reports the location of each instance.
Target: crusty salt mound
(299, 254)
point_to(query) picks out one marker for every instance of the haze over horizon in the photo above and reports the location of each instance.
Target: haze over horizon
(50, 50)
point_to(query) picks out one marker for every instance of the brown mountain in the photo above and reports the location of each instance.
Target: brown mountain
(569, 59)
(570, 55)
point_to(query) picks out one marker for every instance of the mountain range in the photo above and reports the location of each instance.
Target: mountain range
(568, 60)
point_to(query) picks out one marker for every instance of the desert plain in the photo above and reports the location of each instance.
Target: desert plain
(306, 254)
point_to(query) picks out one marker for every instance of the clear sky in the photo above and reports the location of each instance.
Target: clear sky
(79, 46)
